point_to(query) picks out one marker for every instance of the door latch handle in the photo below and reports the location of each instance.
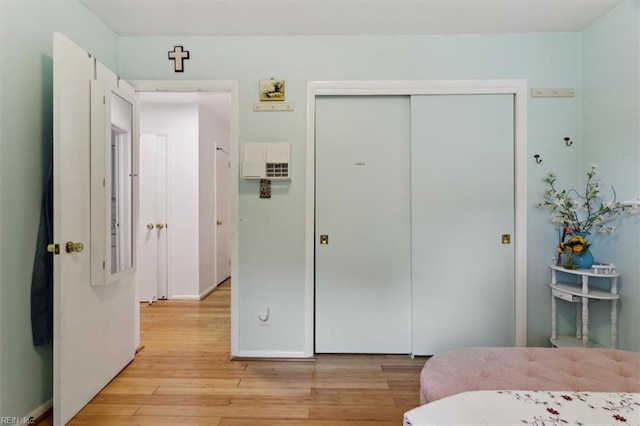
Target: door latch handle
(72, 247)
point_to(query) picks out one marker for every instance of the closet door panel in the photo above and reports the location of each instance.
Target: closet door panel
(362, 274)
(462, 202)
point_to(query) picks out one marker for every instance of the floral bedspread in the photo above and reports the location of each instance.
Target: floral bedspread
(509, 407)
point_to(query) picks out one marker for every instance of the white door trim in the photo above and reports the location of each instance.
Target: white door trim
(231, 87)
(425, 87)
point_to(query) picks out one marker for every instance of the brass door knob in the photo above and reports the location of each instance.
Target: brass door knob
(72, 247)
(53, 248)
(159, 225)
(149, 226)
(219, 222)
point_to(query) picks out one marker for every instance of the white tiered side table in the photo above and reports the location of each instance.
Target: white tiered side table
(580, 294)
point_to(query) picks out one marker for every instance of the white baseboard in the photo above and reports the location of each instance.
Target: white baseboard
(208, 291)
(184, 297)
(194, 296)
(38, 412)
(270, 354)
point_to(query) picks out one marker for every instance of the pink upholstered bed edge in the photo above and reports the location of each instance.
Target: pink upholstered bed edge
(545, 369)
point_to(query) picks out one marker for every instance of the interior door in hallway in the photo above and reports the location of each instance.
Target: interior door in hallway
(462, 198)
(362, 269)
(153, 268)
(223, 215)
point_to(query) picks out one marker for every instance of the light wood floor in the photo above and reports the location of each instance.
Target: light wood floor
(184, 376)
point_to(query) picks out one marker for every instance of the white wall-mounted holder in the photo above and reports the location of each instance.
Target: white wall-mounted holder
(272, 106)
(266, 161)
(553, 93)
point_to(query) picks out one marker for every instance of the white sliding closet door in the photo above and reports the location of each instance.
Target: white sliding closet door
(462, 192)
(362, 275)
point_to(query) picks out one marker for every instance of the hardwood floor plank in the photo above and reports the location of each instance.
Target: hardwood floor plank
(184, 376)
(144, 421)
(173, 381)
(284, 422)
(229, 411)
(169, 399)
(110, 410)
(129, 390)
(356, 413)
(362, 383)
(315, 401)
(204, 390)
(143, 372)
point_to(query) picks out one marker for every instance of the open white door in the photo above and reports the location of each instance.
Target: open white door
(94, 319)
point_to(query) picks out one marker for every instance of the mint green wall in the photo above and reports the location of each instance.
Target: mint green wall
(26, 36)
(611, 138)
(271, 231)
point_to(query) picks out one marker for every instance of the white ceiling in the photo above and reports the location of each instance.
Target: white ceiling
(345, 17)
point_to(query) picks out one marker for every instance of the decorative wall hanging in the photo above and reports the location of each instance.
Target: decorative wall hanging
(272, 90)
(265, 188)
(178, 55)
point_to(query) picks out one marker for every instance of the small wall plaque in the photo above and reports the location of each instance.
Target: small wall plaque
(272, 90)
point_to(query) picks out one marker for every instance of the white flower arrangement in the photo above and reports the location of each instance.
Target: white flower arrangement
(582, 213)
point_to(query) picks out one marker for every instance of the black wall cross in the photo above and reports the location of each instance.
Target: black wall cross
(178, 55)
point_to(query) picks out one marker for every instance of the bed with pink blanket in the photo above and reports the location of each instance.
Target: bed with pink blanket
(486, 383)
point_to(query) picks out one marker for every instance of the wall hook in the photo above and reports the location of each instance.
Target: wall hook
(537, 157)
(568, 141)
